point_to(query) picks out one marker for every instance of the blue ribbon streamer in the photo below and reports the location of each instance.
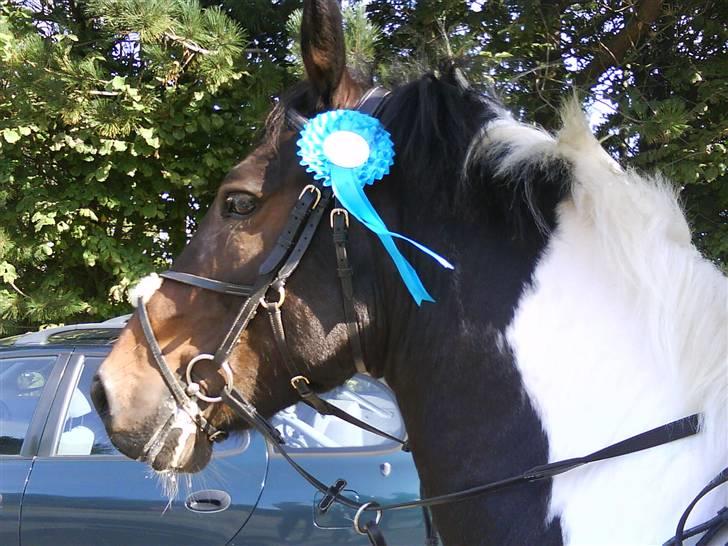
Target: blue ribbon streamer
(352, 198)
(348, 183)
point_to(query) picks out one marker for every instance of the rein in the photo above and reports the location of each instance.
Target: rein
(298, 232)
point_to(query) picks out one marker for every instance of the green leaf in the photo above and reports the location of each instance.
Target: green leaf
(42, 219)
(118, 82)
(88, 213)
(148, 135)
(11, 135)
(102, 173)
(8, 272)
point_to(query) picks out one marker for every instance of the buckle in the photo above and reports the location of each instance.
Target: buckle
(301, 384)
(314, 189)
(336, 211)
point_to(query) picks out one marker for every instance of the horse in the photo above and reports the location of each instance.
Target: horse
(578, 314)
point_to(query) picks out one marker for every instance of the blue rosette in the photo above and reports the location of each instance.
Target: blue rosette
(348, 150)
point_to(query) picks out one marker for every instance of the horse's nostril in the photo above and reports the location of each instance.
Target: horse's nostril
(98, 396)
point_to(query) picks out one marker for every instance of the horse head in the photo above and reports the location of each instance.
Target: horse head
(243, 228)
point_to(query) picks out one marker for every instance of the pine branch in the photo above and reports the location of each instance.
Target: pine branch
(188, 44)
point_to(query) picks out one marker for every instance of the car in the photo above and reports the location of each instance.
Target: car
(62, 482)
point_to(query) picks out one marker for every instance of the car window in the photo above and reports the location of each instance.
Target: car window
(363, 397)
(83, 431)
(22, 381)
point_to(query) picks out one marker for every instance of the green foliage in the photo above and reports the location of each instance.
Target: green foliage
(661, 100)
(116, 125)
(118, 118)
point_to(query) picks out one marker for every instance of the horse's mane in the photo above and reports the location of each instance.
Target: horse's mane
(642, 241)
(465, 142)
(436, 125)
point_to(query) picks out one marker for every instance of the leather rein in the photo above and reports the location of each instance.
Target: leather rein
(298, 232)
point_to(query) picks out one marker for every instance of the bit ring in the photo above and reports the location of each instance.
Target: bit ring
(193, 388)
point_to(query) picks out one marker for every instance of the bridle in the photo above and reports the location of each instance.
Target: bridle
(290, 247)
(268, 291)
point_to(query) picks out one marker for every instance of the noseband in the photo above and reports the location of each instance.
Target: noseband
(268, 291)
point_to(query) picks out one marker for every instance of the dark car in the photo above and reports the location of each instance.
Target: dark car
(63, 483)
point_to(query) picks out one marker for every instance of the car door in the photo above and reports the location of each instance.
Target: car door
(28, 381)
(82, 491)
(375, 469)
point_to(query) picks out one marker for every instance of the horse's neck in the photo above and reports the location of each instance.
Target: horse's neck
(462, 398)
(493, 381)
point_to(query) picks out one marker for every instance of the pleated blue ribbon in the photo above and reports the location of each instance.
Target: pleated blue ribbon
(347, 150)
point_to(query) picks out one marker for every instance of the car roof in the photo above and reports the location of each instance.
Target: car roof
(97, 333)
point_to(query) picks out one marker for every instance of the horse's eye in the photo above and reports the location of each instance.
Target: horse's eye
(240, 204)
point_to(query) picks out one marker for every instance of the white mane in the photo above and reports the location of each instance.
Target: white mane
(623, 329)
(645, 241)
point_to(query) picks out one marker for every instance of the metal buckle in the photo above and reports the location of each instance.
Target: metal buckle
(359, 512)
(277, 304)
(218, 436)
(296, 379)
(193, 388)
(339, 210)
(311, 187)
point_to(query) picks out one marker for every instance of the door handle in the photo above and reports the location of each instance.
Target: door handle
(208, 501)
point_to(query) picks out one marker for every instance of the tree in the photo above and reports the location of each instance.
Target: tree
(118, 118)
(655, 71)
(117, 122)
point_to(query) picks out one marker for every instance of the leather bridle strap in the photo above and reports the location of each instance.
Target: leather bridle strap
(340, 230)
(710, 527)
(308, 200)
(670, 432)
(676, 430)
(372, 102)
(208, 284)
(300, 238)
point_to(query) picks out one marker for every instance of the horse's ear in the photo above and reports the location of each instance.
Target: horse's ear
(324, 53)
(454, 75)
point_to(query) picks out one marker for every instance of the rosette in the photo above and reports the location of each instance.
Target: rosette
(348, 150)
